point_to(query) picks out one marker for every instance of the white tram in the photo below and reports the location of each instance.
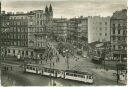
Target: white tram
(64, 74)
(79, 76)
(33, 68)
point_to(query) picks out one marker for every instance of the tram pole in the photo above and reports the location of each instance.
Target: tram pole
(68, 62)
(50, 74)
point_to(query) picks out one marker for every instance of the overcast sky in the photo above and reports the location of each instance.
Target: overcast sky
(67, 8)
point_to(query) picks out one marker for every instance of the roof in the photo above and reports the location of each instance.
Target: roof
(94, 43)
(78, 72)
(120, 15)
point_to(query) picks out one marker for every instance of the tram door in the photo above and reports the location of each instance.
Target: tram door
(55, 73)
(63, 74)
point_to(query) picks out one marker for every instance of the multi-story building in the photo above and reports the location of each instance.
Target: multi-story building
(39, 29)
(4, 29)
(39, 26)
(119, 35)
(59, 28)
(78, 31)
(21, 31)
(98, 29)
(18, 30)
(14, 36)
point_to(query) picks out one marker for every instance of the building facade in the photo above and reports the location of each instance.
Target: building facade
(39, 26)
(98, 29)
(119, 35)
(59, 29)
(24, 33)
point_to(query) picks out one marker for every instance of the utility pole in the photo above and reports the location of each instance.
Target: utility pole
(67, 57)
(117, 69)
(67, 62)
(50, 74)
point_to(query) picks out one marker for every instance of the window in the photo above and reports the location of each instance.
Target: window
(119, 38)
(119, 47)
(118, 25)
(100, 29)
(41, 55)
(118, 31)
(27, 67)
(26, 52)
(40, 15)
(105, 34)
(105, 23)
(40, 22)
(113, 47)
(30, 68)
(114, 25)
(87, 77)
(37, 22)
(75, 75)
(8, 50)
(67, 73)
(19, 51)
(100, 34)
(90, 77)
(13, 51)
(123, 32)
(34, 68)
(23, 52)
(114, 38)
(113, 31)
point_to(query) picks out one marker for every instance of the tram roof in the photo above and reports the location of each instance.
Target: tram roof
(78, 72)
(46, 65)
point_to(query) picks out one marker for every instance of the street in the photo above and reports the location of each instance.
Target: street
(101, 76)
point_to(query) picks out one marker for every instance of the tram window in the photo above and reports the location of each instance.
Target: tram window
(67, 73)
(33, 68)
(71, 74)
(30, 68)
(78, 75)
(51, 71)
(27, 67)
(75, 75)
(83, 76)
(90, 77)
(45, 70)
(48, 71)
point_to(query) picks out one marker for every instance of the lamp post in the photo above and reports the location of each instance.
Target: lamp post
(66, 52)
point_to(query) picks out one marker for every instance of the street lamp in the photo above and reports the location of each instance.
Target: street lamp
(66, 52)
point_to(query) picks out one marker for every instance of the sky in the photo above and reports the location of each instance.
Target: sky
(67, 8)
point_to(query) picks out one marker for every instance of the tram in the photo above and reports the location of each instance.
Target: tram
(79, 76)
(64, 74)
(32, 68)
